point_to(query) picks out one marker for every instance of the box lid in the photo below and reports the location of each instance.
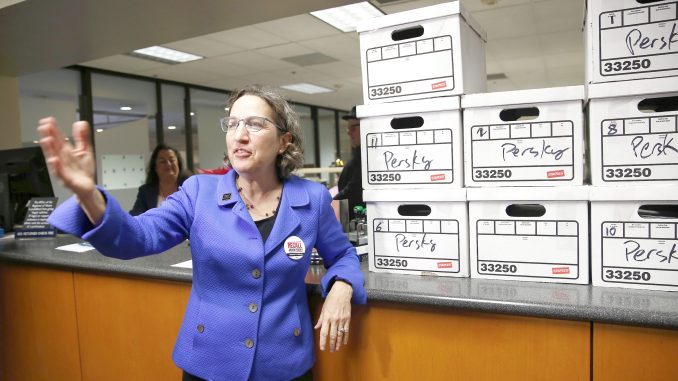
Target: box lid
(635, 193)
(531, 96)
(409, 107)
(575, 193)
(631, 88)
(415, 195)
(421, 14)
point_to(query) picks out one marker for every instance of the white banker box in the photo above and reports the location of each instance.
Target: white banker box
(524, 138)
(631, 39)
(633, 237)
(529, 234)
(411, 236)
(633, 132)
(411, 144)
(427, 52)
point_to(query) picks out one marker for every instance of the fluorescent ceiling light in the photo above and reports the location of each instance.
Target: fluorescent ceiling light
(125, 108)
(171, 127)
(100, 130)
(158, 53)
(347, 17)
(307, 88)
(192, 113)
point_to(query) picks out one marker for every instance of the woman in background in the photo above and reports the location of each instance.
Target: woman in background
(164, 176)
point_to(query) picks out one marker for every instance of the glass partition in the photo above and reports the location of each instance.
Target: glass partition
(208, 139)
(124, 122)
(306, 123)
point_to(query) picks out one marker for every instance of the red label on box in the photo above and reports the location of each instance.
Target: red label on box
(444, 265)
(558, 173)
(560, 270)
(438, 177)
(439, 85)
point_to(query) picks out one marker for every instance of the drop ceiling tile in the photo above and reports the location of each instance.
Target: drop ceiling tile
(285, 50)
(203, 46)
(558, 15)
(255, 61)
(560, 60)
(338, 46)
(500, 85)
(493, 66)
(182, 74)
(124, 63)
(562, 42)
(406, 6)
(507, 22)
(219, 66)
(248, 37)
(528, 46)
(523, 64)
(337, 69)
(298, 28)
(478, 5)
(529, 79)
(566, 75)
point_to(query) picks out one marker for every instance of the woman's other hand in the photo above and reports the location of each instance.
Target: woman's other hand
(73, 165)
(335, 316)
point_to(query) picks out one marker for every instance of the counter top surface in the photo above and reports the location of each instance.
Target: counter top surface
(550, 300)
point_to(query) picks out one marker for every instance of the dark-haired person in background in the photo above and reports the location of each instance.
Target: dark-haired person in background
(164, 176)
(350, 184)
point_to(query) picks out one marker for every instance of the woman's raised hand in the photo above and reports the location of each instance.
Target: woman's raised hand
(73, 165)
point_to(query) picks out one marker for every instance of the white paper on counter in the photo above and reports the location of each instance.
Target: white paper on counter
(77, 247)
(187, 264)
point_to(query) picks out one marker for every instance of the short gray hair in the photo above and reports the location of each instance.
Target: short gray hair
(286, 118)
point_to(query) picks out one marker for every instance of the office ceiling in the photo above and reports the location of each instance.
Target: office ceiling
(530, 44)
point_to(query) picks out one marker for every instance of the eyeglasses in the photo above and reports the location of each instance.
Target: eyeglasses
(253, 124)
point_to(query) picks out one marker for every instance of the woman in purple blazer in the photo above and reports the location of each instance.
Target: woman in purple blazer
(251, 230)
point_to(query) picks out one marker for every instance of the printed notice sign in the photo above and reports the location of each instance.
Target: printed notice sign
(528, 248)
(638, 40)
(640, 149)
(410, 157)
(640, 253)
(416, 245)
(395, 70)
(523, 152)
(35, 224)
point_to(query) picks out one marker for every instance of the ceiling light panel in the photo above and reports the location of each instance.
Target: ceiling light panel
(162, 54)
(346, 18)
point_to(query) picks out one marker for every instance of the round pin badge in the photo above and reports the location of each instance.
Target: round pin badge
(294, 248)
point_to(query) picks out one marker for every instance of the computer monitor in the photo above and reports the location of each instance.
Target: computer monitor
(23, 175)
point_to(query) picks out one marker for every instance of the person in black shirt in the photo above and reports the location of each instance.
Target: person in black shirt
(350, 184)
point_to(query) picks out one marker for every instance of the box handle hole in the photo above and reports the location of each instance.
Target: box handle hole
(648, 1)
(407, 122)
(525, 210)
(416, 210)
(658, 211)
(407, 33)
(513, 114)
(661, 104)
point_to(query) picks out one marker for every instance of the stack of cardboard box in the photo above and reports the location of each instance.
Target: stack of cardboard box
(632, 75)
(415, 65)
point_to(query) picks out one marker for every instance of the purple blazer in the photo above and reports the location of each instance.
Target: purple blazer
(247, 316)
